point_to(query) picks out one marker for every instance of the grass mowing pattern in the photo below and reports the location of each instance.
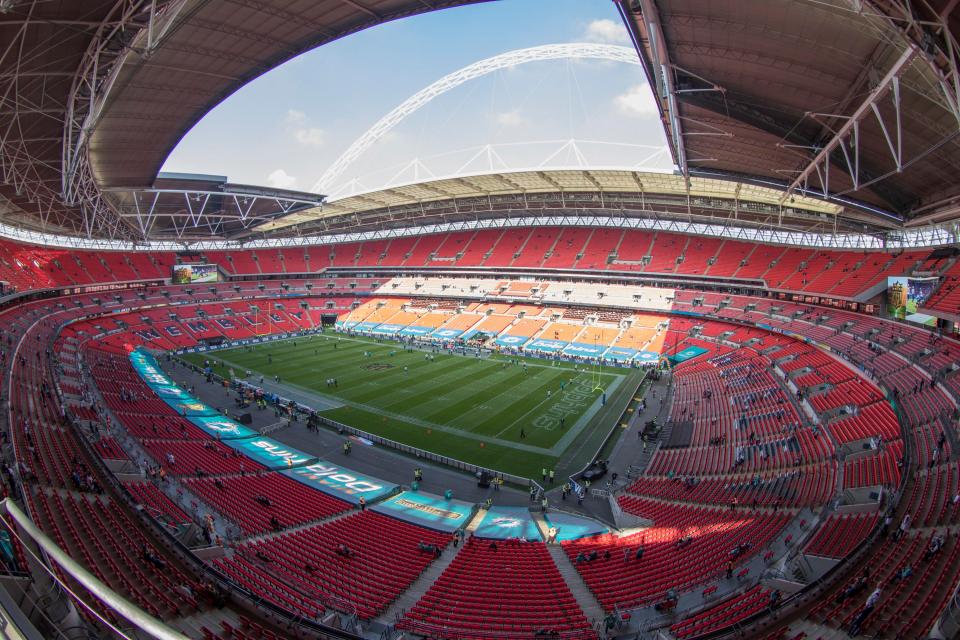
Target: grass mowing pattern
(463, 407)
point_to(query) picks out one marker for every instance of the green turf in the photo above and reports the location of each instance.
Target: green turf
(463, 407)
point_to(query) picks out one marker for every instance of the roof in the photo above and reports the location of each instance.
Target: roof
(212, 50)
(97, 93)
(583, 192)
(161, 65)
(761, 87)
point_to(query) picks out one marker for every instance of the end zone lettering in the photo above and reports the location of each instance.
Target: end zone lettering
(320, 471)
(277, 452)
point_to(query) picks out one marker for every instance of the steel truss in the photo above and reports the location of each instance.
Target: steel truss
(928, 237)
(920, 25)
(928, 45)
(931, 236)
(22, 95)
(134, 28)
(660, 75)
(212, 212)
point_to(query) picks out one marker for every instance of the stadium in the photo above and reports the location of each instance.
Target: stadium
(574, 401)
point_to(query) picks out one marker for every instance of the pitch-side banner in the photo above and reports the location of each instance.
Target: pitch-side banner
(547, 346)
(582, 350)
(427, 510)
(619, 354)
(414, 330)
(271, 453)
(446, 334)
(222, 427)
(511, 341)
(146, 365)
(343, 483)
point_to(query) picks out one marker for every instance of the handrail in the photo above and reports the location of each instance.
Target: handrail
(115, 601)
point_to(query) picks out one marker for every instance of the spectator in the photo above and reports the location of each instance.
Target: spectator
(868, 608)
(936, 543)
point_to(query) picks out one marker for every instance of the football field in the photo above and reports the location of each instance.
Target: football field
(512, 414)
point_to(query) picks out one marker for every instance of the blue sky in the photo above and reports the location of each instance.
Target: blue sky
(288, 126)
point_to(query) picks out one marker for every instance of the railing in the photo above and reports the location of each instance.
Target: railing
(117, 603)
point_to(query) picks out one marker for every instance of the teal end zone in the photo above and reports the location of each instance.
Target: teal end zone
(427, 510)
(571, 527)
(502, 523)
(687, 354)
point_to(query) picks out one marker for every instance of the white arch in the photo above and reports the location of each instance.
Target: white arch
(572, 50)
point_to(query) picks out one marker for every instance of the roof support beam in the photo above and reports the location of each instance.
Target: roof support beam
(108, 50)
(849, 132)
(663, 77)
(921, 26)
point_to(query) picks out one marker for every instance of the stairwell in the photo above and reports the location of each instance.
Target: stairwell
(549, 252)
(519, 251)
(267, 535)
(585, 598)
(712, 260)
(819, 631)
(616, 247)
(425, 580)
(194, 624)
(492, 248)
(745, 261)
(583, 250)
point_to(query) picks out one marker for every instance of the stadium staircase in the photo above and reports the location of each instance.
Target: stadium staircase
(585, 598)
(268, 535)
(814, 630)
(412, 594)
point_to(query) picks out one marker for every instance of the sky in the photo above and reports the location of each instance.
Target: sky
(286, 127)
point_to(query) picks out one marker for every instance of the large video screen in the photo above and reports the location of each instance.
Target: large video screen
(905, 295)
(191, 273)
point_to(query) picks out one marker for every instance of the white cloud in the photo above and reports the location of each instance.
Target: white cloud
(298, 126)
(607, 30)
(281, 180)
(511, 118)
(637, 101)
(310, 136)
